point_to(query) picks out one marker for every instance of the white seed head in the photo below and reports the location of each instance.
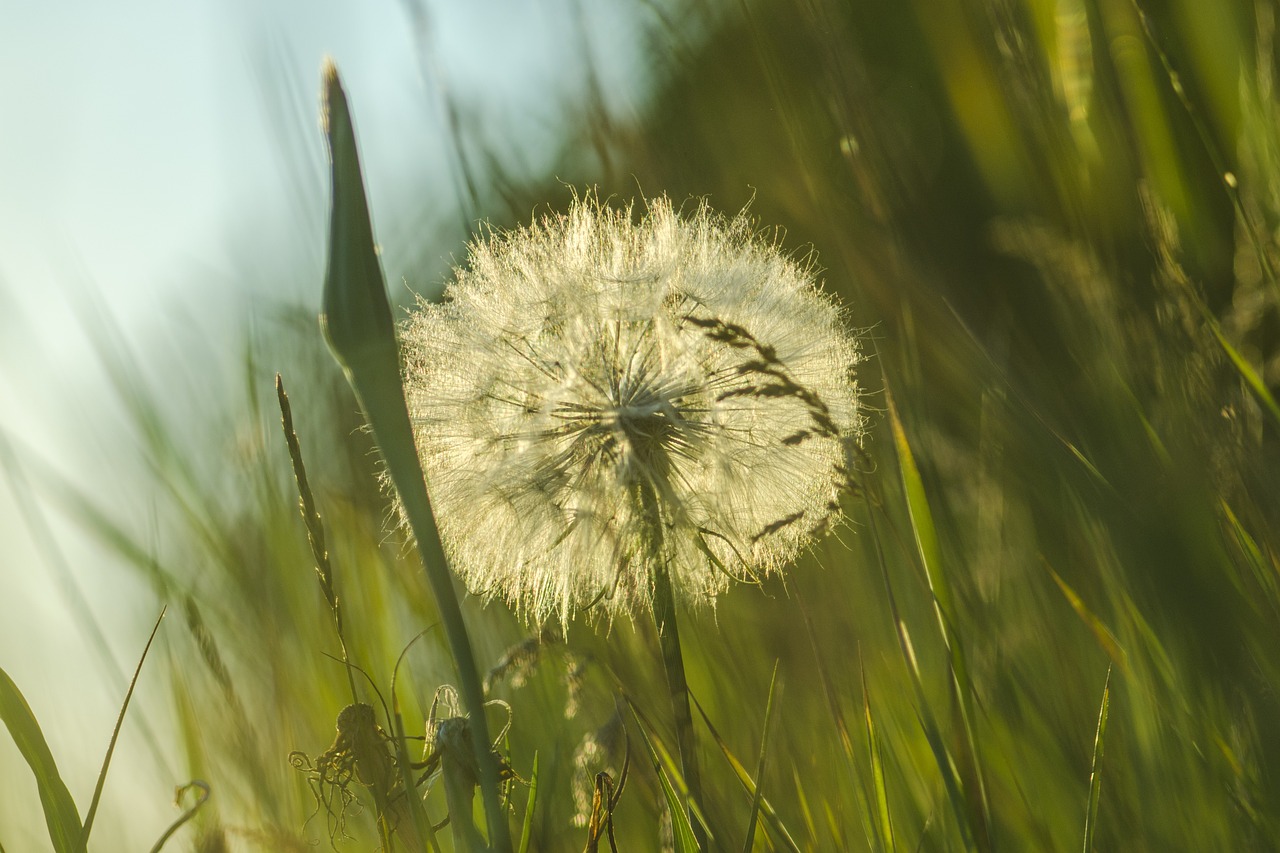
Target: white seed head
(586, 374)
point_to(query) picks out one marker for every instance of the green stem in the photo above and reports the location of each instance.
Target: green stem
(664, 616)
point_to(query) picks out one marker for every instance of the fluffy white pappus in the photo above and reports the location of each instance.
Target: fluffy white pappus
(594, 394)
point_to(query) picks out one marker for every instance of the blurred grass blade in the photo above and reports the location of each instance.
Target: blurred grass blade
(749, 784)
(764, 751)
(806, 813)
(357, 323)
(1101, 633)
(115, 733)
(60, 813)
(1264, 573)
(1247, 373)
(951, 779)
(869, 824)
(526, 828)
(682, 829)
(926, 538)
(1095, 771)
(883, 818)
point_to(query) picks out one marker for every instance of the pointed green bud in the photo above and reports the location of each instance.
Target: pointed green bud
(356, 316)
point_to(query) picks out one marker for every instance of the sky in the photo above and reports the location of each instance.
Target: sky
(159, 163)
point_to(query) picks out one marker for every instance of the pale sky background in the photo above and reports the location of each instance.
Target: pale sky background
(158, 161)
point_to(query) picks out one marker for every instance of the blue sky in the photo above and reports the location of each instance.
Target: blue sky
(157, 161)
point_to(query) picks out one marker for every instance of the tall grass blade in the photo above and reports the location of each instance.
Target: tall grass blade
(60, 815)
(869, 823)
(358, 326)
(115, 733)
(764, 751)
(749, 784)
(926, 538)
(1095, 771)
(79, 505)
(1263, 571)
(682, 829)
(883, 817)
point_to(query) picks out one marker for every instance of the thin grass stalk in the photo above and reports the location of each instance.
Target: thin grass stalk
(933, 735)
(360, 331)
(841, 727)
(926, 539)
(526, 827)
(115, 733)
(421, 822)
(750, 785)
(682, 822)
(1095, 768)
(764, 752)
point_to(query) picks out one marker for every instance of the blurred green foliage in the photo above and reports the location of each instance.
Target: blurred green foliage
(1056, 220)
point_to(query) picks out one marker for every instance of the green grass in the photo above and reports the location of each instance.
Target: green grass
(1073, 484)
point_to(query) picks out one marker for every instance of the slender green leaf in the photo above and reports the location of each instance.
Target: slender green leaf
(1095, 771)
(1248, 374)
(682, 829)
(764, 751)
(526, 827)
(60, 814)
(357, 323)
(926, 538)
(115, 733)
(951, 779)
(884, 820)
(1101, 633)
(749, 784)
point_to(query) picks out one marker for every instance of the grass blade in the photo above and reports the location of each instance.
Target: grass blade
(1247, 373)
(951, 779)
(357, 324)
(764, 750)
(60, 813)
(749, 784)
(526, 828)
(1095, 771)
(926, 538)
(682, 829)
(1101, 633)
(884, 820)
(115, 733)
(871, 828)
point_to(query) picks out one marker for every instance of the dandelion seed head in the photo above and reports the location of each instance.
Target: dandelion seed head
(588, 373)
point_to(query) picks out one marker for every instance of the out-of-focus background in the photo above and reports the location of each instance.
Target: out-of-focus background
(1055, 220)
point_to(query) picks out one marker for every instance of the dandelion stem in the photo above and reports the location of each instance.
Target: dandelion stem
(664, 615)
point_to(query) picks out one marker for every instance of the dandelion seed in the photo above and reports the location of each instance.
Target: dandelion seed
(589, 386)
